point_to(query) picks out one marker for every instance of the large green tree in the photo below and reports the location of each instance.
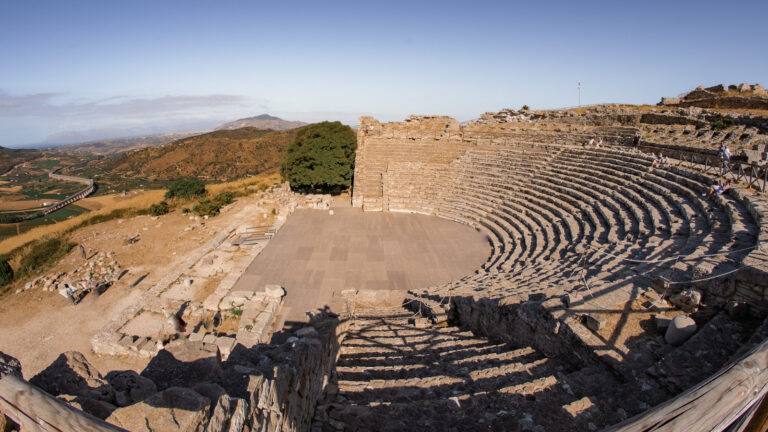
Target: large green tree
(321, 157)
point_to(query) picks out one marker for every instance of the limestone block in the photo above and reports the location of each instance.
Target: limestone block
(132, 386)
(306, 332)
(196, 337)
(71, 373)
(276, 291)
(594, 322)
(9, 366)
(687, 300)
(184, 363)
(175, 409)
(680, 329)
(577, 407)
(225, 344)
(248, 339)
(262, 322)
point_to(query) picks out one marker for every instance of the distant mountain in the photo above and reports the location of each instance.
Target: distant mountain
(122, 145)
(218, 155)
(12, 157)
(264, 121)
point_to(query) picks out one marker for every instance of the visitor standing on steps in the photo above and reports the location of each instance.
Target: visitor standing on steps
(636, 142)
(725, 156)
(82, 251)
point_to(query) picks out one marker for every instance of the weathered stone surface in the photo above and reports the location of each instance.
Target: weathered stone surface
(594, 322)
(680, 329)
(687, 300)
(72, 374)
(571, 299)
(227, 413)
(184, 363)
(174, 409)
(9, 365)
(130, 387)
(577, 407)
(96, 408)
(274, 291)
(306, 332)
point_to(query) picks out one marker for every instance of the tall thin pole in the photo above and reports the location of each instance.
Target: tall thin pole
(579, 86)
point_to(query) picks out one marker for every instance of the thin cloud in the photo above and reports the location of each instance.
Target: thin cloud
(44, 105)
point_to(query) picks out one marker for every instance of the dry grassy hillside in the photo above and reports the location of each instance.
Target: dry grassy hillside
(11, 157)
(219, 155)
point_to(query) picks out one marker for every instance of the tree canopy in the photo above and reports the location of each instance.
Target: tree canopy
(321, 157)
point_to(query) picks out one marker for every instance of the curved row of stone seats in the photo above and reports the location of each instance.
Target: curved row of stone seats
(729, 222)
(616, 203)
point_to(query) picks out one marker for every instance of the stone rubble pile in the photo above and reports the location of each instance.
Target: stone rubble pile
(100, 270)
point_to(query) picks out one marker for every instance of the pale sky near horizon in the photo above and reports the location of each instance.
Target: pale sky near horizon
(78, 70)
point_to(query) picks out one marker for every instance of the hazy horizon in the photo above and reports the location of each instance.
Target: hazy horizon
(99, 70)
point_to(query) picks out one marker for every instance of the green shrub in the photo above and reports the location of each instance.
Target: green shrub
(6, 273)
(224, 198)
(722, 122)
(321, 157)
(525, 108)
(185, 210)
(206, 207)
(43, 254)
(159, 209)
(186, 188)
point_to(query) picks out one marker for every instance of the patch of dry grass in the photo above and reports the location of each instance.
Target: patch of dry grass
(267, 179)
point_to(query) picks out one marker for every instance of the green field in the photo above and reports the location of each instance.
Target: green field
(9, 230)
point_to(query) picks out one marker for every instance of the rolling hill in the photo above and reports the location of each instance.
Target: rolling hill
(121, 145)
(264, 121)
(219, 155)
(12, 157)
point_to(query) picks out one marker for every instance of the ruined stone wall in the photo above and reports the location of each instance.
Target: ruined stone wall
(426, 140)
(291, 379)
(415, 187)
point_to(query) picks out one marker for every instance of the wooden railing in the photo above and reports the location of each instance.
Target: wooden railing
(725, 401)
(35, 410)
(750, 174)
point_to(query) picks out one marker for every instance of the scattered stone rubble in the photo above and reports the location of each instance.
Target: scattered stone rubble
(99, 271)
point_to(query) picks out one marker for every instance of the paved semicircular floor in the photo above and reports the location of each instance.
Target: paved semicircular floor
(316, 255)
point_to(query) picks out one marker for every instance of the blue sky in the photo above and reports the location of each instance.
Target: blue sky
(75, 70)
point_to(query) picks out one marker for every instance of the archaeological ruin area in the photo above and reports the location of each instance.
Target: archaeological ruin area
(612, 291)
